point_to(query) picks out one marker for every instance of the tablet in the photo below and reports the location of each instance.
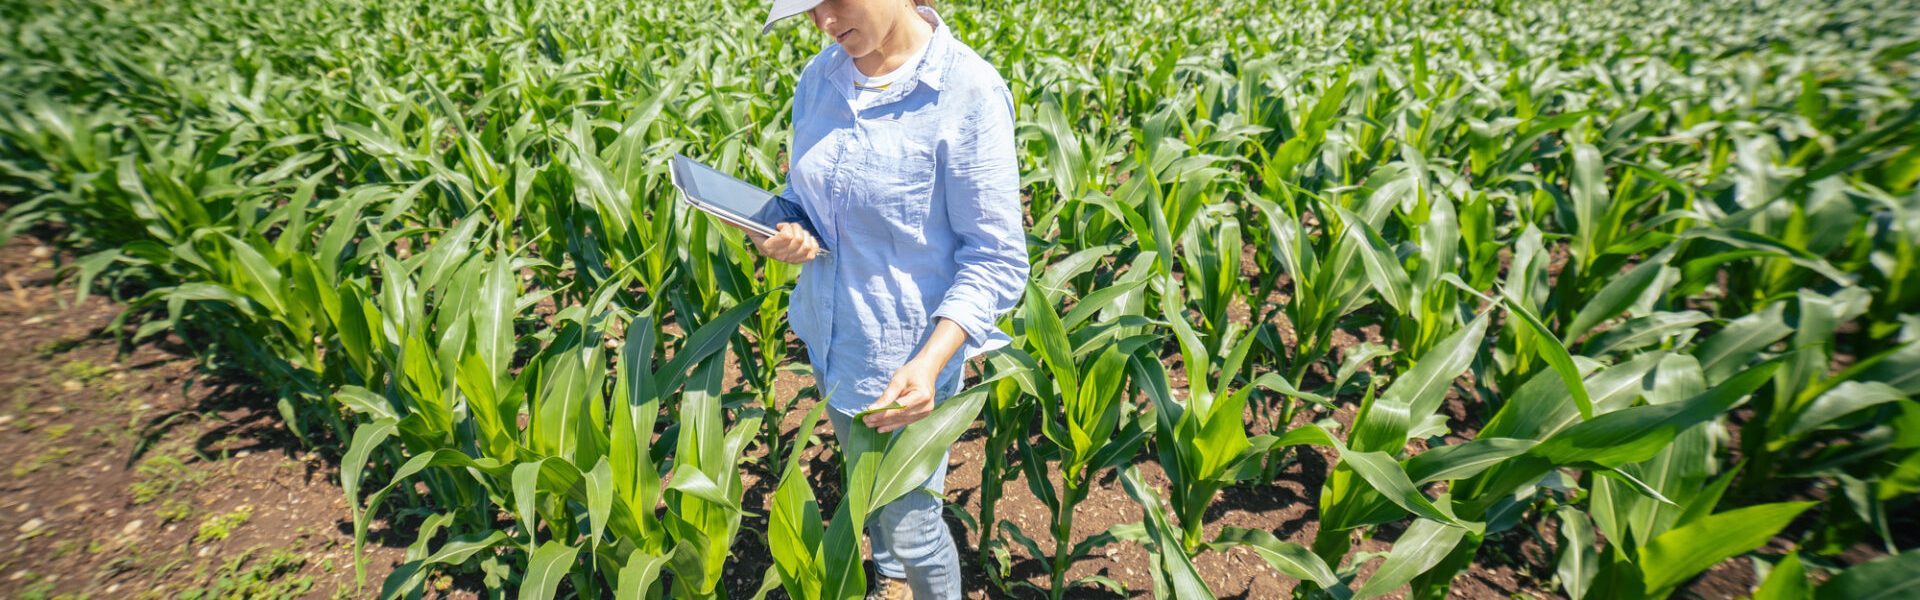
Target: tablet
(732, 200)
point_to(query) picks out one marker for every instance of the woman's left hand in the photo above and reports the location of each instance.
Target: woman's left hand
(911, 390)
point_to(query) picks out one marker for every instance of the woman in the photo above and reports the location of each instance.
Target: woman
(903, 159)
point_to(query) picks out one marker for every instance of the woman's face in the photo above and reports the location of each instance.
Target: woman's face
(858, 25)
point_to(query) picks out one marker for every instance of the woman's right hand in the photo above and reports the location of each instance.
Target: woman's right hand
(792, 244)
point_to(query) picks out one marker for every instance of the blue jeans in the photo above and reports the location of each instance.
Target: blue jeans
(910, 541)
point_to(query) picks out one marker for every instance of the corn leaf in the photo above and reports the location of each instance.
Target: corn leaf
(1677, 555)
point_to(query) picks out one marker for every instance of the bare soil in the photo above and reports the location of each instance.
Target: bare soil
(132, 474)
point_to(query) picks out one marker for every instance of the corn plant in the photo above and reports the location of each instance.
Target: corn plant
(1006, 417)
(703, 489)
(1328, 278)
(877, 469)
(1082, 413)
(1204, 448)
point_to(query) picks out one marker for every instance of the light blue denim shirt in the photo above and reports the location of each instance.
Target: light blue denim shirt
(917, 198)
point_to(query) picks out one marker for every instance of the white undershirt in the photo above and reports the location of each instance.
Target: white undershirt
(867, 89)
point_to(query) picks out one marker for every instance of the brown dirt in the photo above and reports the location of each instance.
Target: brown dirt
(118, 461)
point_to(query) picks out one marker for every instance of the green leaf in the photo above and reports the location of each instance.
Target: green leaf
(1290, 558)
(1591, 202)
(405, 581)
(845, 578)
(89, 269)
(1636, 434)
(1049, 336)
(1384, 270)
(1676, 556)
(1748, 240)
(1424, 544)
(545, 570)
(1173, 570)
(1098, 300)
(365, 439)
(1418, 392)
(458, 550)
(1619, 294)
(1578, 561)
(493, 317)
(1703, 502)
(713, 336)
(526, 481)
(1380, 471)
(1844, 399)
(1193, 353)
(1057, 279)
(447, 253)
(1728, 351)
(1787, 581)
(1884, 578)
(264, 282)
(1898, 367)
(794, 530)
(1543, 407)
(640, 575)
(1556, 356)
(1460, 461)
(1639, 332)
(916, 450)
(360, 400)
(599, 490)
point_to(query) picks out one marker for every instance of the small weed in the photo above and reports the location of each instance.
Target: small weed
(65, 548)
(124, 561)
(218, 527)
(109, 436)
(84, 371)
(136, 411)
(37, 533)
(40, 461)
(55, 432)
(161, 475)
(55, 347)
(174, 509)
(38, 590)
(21, 422)
(271, 578)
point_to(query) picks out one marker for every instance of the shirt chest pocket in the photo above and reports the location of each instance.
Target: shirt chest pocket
(896, 193)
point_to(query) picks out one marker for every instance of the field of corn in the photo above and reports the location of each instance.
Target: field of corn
(1636, 280)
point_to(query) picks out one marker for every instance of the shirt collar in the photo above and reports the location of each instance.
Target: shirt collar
(933, 66)
(931, 70)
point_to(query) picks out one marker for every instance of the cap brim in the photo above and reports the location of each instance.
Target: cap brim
(786, 8)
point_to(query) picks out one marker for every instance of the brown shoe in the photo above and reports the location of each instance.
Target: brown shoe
(888, 588)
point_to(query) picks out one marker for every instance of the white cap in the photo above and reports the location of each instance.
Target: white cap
(786, 8)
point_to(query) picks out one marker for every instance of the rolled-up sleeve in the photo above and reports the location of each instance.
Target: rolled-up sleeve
(982, 190)
(786, 208)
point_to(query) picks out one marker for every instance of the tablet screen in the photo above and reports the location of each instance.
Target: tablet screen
(721, 190)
